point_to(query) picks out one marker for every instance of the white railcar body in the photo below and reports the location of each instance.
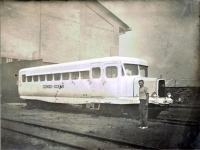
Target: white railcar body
(110, 80)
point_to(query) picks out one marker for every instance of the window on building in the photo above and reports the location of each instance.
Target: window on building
(65, 76)
(84, 74)
(42, 77)
(57, 76)
(35, 78)
(111, 72)
(74, 75)
(96, 72)
(23, 78)
(49, 77)
(29, 78)
(8, 60)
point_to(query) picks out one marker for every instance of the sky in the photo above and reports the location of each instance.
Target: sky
(165, 33)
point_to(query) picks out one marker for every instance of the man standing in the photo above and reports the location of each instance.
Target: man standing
(143, 107)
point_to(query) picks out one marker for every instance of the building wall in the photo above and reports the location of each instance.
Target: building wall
(9, 78)
(57, 31)
(80, 33)
(60, 31)
(20, 24)
(98, 36)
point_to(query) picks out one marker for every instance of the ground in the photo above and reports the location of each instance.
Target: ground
(158, 135)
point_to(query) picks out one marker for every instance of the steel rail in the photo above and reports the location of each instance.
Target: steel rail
(123, 143)
(45, 139)
(184, 106)
(176, 122)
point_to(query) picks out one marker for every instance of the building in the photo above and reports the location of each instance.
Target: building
(46, 32)
(59, 31)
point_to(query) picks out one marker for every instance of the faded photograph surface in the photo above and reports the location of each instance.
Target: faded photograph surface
(100, 74)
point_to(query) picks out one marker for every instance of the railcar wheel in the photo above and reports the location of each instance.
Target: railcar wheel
(41, 105)
(153, 113)
(154, 110)
(115, 111)
(29, 104)
(133, 112)
(84, 106)
(38, 104)
(100, 110)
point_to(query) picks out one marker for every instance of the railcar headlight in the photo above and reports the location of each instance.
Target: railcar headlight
(154, 94)
(169, 94)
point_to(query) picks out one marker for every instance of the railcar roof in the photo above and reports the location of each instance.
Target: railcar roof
(90, 61)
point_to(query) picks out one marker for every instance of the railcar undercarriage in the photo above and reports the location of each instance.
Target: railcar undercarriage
(100, 108)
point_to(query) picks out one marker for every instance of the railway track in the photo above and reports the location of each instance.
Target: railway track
(184, 106)
(176, 122)
(82, 141)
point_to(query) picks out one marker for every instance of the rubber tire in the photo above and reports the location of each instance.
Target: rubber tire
(115, 110)
(133, 112)
(99, 112)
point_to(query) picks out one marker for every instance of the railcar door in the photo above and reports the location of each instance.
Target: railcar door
(96, 80)
(22, 84)
(85, 83)
(75, 83)
(111, 76)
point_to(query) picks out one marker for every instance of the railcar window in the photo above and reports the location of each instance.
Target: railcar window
(23, 78)
(96, 72)
(57, 76)
(131, 69)
(74, 75)
(65, 76)
(35, 78)
(111, 72)
(84, 74)
(49, 77)
(42, 77)
(29, 78)
(144, 71)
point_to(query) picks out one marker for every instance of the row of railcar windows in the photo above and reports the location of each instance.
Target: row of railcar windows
(111, 72)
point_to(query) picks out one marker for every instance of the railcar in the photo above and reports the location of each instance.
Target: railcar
(108, 84)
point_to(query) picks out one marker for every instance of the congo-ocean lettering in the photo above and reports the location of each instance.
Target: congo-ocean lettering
(53, 86)
(58, 86)
(47, 86)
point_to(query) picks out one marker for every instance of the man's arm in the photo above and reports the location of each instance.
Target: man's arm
(147, 100)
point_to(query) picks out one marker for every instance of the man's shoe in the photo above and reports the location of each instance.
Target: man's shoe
(145, 127)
